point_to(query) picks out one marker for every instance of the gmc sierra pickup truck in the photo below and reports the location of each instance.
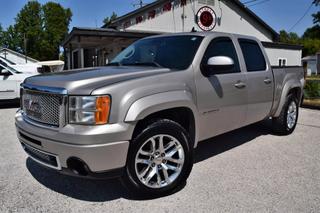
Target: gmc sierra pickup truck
(141, 117)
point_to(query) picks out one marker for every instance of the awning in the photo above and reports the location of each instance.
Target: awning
(90, 36)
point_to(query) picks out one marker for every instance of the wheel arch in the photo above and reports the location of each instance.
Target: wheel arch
(177, 106)
(290, 88)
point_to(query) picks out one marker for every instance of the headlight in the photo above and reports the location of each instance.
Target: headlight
(89, 109)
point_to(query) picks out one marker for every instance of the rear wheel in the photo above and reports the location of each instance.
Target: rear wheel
(287, 120)
(160, 159)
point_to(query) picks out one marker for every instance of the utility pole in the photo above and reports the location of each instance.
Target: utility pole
(25, 47)
(5, 53)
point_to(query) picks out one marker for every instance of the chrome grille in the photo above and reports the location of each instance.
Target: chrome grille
(42, 107)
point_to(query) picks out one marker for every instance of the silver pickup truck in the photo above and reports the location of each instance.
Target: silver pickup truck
(142, 116)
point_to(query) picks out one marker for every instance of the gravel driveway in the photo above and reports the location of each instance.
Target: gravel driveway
(247, 170)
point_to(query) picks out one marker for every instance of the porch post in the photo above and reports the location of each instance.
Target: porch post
(82, 57)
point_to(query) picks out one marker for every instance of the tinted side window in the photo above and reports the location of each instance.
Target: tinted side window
(222, 47)
(252, 55)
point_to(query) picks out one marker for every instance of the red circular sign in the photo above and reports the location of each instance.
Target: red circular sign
(206, 18)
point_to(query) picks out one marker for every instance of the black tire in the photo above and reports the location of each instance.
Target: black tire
(279, 124)
(162, 126)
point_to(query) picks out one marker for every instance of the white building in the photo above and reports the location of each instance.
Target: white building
(86, 47)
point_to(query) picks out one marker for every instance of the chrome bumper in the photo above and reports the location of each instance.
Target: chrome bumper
(95, 146)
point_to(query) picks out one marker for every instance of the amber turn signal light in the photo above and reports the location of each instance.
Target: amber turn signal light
(102, 109)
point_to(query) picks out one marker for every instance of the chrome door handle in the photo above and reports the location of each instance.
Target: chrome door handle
(240, 85)
(267, 81)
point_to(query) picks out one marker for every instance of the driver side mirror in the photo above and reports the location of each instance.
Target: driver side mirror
(218, 65)
(5, 72)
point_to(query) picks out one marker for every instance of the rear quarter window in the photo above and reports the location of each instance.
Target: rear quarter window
(253, 56)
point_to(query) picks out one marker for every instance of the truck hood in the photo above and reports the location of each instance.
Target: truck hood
(84, 81)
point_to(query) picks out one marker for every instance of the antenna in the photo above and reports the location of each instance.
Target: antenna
(140, 4)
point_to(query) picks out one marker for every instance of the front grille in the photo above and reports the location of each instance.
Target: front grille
(42, 107)
(43, 157)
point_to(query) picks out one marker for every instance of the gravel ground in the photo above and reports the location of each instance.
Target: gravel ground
(247, 170)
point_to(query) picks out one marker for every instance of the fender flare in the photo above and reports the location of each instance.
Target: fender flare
(148, 105)
(285, 91)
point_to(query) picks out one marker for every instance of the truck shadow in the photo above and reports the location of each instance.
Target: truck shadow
(222, 143)
(107, 190)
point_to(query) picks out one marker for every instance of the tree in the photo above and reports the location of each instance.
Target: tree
(310, 45)
(39, 30)
(29, 29)
(11, 39)
(289, 38)
(312, 32)
(107, 21)
(56, 21)
(316, 16)
(310, 39)
(1, 36)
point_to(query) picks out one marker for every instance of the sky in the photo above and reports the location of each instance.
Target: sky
(279, 14)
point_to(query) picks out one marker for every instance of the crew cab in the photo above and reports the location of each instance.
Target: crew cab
(141, 117)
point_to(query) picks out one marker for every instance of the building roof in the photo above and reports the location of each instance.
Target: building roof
(237, 2)
(137, 11)
(279, 45)
(258, 19)
(17, 54)
(108, 32)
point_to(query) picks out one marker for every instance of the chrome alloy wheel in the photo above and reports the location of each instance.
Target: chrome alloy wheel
(159, 161)
(292, 115)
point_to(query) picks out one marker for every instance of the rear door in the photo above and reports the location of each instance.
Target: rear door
(259, 80)
(221, 97)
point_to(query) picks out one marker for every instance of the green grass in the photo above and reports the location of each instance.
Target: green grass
(311, 103)
(312, 89)
(314, 77)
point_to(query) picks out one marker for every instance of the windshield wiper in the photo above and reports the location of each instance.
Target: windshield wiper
(151, 63)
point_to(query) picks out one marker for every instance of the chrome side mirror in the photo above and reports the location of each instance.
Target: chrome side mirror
(218, 65)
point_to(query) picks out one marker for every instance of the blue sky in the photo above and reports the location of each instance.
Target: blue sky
(279, 14)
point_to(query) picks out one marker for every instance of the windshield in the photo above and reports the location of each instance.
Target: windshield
(9, 69)
(173, 52)
(7, 60)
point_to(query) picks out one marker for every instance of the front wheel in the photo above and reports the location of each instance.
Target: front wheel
(159, 160)
(287, 120)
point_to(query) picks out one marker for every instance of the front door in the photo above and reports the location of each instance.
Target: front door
(260, 81)
(221, 97)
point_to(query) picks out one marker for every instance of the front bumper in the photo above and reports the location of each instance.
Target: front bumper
(101, 148)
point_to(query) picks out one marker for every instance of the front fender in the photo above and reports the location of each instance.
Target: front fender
(161, 101)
